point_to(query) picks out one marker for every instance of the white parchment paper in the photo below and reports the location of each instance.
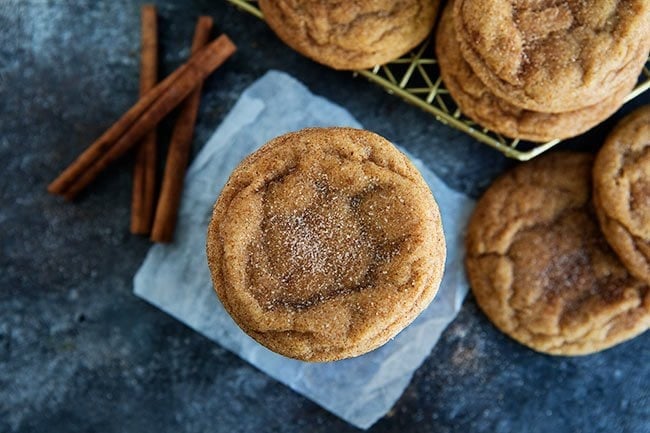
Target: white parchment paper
(176, 279)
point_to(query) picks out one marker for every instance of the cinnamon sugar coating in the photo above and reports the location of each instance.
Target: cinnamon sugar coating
(554, 56)
(478, 102)
(541, 269)
(351, 34)
(325, 243)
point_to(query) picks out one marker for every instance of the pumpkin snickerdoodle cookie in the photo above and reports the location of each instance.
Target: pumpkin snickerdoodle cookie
(479, 103)
(541, 269)
(351, 34)
(325, 243)
(622, 191)
(552, 56)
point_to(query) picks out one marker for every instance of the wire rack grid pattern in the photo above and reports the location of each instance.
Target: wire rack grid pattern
(415, 78)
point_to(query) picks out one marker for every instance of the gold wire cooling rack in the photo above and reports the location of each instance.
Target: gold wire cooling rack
(416, 79)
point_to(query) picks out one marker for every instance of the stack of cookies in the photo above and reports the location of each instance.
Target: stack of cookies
(325, 243)
(541, 70)
(558, 249)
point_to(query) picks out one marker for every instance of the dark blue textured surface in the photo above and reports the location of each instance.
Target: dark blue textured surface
(78, 352)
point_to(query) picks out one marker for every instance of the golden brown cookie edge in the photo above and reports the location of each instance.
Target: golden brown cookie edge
(286, 346)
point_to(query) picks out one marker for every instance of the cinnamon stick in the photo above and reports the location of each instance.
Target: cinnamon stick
(179, 151)
(108, 138)
(144, 169)
(185, 79)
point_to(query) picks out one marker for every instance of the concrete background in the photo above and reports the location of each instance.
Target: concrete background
(79, 352)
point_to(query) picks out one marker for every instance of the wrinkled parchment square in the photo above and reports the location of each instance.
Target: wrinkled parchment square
(176, 279)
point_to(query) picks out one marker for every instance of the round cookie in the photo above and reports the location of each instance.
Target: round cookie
(477, 102)
(551, 56)
(540, 268)
(325, 243)
(351, 35)
(622, 191)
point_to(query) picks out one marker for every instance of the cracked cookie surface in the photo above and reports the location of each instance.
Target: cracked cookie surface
(541, 269)
(478, 102)
(325, 243)
(622, 191)
(554, 56)
(351, 34)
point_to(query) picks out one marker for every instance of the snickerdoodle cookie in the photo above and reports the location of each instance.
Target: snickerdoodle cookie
(622, 191)
(541, 269)
(477, 101)
(351, 34)
(554, 56)
(325, 243)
